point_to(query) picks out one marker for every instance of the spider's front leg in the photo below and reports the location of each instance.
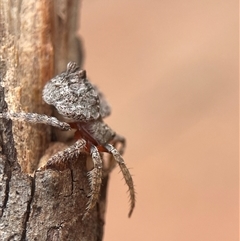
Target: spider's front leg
(95, 179)
(60, 160)
(35, 118)
(126, 174)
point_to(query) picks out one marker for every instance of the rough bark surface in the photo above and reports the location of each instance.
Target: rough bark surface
(38, 38)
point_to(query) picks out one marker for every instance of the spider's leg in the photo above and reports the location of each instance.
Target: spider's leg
(60, 160)
(95, 179)
(111, 160)
(119, 139)
(126, 174)
(36, 119)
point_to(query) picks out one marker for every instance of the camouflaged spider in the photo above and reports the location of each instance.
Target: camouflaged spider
(84, 108)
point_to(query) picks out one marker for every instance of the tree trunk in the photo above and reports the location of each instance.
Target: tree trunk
(38, 38)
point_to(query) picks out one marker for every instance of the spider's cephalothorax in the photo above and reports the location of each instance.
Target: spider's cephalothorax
(84, 107)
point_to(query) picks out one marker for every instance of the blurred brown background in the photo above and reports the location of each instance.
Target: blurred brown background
(170, 72)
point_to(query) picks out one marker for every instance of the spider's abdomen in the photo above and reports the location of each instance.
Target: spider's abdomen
(73, 95)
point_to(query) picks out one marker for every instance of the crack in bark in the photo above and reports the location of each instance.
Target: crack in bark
(72, 180)
(28, 211)
(8, 150)
(6, 189)
(8, 178)
(9, 165)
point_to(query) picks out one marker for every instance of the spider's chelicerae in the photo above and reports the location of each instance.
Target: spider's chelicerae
(84, 108)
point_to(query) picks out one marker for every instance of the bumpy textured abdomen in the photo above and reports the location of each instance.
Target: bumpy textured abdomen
(73, 96)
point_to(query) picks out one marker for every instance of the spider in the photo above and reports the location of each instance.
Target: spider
(83, 107)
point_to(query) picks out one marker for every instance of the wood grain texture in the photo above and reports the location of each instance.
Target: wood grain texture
(38, 38)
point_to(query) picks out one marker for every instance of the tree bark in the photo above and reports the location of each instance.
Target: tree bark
(38, 38)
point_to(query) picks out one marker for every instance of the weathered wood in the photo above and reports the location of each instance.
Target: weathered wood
(38, 38)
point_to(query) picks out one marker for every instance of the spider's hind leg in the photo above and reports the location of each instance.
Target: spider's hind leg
(119, 143)
(119, 139)
(126, 174)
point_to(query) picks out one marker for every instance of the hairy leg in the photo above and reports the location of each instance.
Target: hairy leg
(60, 160)
(36, 119)
(119, 139)
(126, 174)
(111, 160)
(95, 179)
